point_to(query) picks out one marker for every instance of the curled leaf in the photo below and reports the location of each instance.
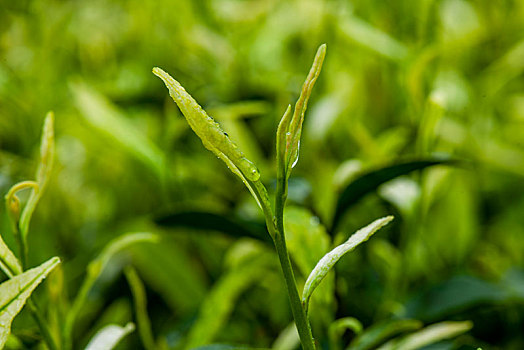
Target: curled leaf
(330, 259)
(12, 202)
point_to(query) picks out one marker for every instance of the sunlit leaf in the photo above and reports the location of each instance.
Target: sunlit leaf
(216, 140)
(109, 336)
(330, 259)
(15, 292)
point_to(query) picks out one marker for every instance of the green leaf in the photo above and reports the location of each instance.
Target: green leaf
(337, 329)
(369, 181)
(15, 292)
(219, 303)
(47, 156)
(95, 268)
(140, 299)
(428, 335)
(290, 127)
(307, 242)
(225, 347)
(232, 226)
(330, 259)
(214, 138)
(8, 261)
(110, 121)
(109, 336)
(457, 294)
(377, 334)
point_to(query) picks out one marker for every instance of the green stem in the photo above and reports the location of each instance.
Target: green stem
(299, 313)
(42, 324)
(73, 312)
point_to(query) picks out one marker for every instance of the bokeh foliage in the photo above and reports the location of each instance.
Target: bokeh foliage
(403, 80)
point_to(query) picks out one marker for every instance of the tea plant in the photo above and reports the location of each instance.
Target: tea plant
(17, 290)
(287, 154)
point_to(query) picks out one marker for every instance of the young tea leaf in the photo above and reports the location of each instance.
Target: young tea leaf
(47, 156)
(290, 127)
(15, 292)
(214, 138)
(109, 336)
(330, 259)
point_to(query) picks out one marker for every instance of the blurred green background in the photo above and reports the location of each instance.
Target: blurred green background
(402, 80)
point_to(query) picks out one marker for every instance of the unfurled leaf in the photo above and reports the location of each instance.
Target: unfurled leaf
(370, 181)
(15, 292)
(428, 335)
(379, 333)
(330, 259)
(109, 336)
(290, 127)
(215, 139)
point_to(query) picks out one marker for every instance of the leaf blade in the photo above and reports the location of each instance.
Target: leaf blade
(15, 292)
(109, 336)
(199, 220)
(330, 259)
(369, 181)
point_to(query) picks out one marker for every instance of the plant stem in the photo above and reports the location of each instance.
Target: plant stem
(42, 324)
(299, 314)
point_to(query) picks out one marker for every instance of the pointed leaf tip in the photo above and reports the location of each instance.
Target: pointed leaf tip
(330, 259)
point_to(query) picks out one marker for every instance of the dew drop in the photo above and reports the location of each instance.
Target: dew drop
(296, 159)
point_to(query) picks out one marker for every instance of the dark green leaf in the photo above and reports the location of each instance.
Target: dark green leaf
(215, 222)
(369, 182)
